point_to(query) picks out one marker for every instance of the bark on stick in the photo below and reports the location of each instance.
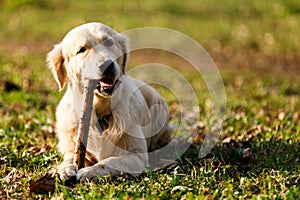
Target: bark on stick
(84, 122)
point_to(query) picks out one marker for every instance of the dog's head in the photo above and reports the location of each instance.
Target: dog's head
(92, 51)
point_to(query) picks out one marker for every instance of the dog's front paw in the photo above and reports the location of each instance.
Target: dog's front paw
(67, 172)
(93, 173)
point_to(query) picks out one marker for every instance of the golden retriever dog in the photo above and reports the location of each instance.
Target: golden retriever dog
(129, 118)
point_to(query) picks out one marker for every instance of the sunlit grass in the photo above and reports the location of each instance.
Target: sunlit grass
(255, 44)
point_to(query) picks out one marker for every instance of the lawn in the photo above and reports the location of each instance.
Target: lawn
(255, 45)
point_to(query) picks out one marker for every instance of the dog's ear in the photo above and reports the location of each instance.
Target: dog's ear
(55, 62)
(123, 42)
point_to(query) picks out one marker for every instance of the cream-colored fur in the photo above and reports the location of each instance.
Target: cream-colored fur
(136, 115)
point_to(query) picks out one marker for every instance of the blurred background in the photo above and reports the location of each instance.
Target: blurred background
(254, 43)
(258, 35)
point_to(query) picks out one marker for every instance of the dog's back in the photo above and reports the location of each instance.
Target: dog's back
(160, 129)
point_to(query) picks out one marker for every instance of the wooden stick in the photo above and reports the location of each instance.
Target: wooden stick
(84, 122)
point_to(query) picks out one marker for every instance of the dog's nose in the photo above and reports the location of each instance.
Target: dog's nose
(108, 68)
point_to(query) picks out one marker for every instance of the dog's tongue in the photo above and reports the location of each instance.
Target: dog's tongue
(106, 83)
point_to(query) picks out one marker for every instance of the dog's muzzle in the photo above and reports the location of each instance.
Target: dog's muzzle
(108, 80)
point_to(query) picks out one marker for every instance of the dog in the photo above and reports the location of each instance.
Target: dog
(129, 118)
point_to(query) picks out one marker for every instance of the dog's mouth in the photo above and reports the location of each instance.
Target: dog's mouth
(106, 86)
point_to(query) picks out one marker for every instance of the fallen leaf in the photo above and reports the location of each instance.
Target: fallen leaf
(226, 140)
(281, 115)
(44, 185)
(198, 135)
(9, 86)
(205, 190)
(128, 197)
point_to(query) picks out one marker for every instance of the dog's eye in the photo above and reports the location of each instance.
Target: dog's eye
(81, 50)
(108, 42)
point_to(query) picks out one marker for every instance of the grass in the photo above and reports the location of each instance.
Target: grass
(255, 46)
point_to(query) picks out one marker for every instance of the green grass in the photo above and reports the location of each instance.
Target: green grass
(254, 43)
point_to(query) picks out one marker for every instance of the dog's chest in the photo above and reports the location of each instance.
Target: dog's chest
(102, 106)
(103, 111)
(105, 121)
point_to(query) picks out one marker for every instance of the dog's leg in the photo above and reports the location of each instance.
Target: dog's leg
(112, 166)
(67, 169)
(127, 154)
(66, 129)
